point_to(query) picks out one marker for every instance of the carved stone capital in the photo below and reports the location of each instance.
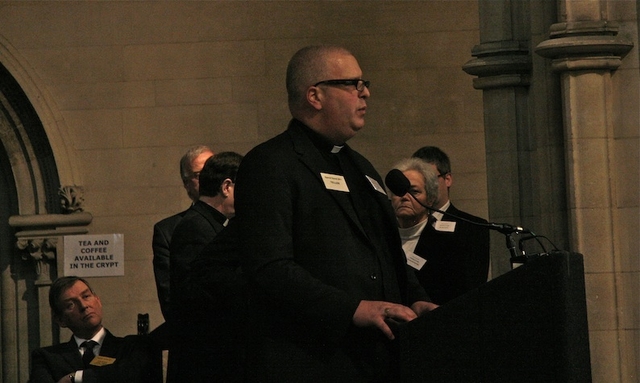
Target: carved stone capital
(587, 45)
(43, 252)
(38, 248)
(500, 64)
(37, 238)
(71, 198)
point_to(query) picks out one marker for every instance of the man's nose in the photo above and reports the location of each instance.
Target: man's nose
(365, 93)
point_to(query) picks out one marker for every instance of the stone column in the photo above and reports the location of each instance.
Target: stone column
(38, 238)
(523, 153)
(586, 51)
(26, 316)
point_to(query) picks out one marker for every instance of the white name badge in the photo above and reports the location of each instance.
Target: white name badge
(334, 182)
(445, 226)
(376, 185)
(415, 261)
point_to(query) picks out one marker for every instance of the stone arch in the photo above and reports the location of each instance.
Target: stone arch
(34, 162)
(45, 107)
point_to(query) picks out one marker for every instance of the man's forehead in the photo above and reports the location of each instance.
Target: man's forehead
(198, 163)
(345, 64)
(78, 288)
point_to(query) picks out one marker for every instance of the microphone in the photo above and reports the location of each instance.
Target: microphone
(399, 185)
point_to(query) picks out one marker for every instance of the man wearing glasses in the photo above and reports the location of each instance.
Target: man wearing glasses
(456, 251)
(191, 164)
(320, 244)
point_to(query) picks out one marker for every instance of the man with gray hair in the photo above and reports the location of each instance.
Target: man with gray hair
(191, 164)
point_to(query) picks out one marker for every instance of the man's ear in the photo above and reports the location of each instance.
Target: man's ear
(448, 180)
(226, 187)
(315, 97)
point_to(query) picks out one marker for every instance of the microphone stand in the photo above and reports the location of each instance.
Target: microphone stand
(508, 230)
(399, 185)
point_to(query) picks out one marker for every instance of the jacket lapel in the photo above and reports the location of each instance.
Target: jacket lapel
(110, 345)
(71, 354)
(314, 161)
(217, 227)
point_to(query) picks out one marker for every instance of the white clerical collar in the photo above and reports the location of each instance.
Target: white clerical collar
(336, 148)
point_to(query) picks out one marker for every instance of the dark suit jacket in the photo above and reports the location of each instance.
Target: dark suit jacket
(456, 262)
(135, 361)
(310, 263)
(198, 227)
(217, 312)
(162, 232)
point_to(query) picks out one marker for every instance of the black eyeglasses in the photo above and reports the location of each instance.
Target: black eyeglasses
(358, 83)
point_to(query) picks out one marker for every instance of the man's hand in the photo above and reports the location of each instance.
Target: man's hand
(421, 307)
(374, 314)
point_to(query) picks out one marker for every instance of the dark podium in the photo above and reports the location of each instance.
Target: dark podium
(528, 325)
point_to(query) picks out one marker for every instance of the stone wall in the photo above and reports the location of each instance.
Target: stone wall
(133, 84)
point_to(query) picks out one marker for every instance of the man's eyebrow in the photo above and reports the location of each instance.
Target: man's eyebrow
(83, 292)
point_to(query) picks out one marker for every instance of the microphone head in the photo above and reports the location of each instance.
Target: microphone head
(397, 182)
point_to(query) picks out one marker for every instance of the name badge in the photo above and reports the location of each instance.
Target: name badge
(334, 182)
(102, 361)
(376, 185)
(447, 226)
(415, 261)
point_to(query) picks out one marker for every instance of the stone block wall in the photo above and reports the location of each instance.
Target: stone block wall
(133, 84)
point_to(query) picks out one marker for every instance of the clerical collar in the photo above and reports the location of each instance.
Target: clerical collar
(321, 142)
(217, 214)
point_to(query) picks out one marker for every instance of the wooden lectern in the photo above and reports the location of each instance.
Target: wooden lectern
(528, 325)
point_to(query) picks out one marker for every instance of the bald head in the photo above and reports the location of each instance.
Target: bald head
(308, 66)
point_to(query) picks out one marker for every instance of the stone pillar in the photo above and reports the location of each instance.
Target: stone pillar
(524, 156)
(38, 237)
(586, 51)
(26, 316)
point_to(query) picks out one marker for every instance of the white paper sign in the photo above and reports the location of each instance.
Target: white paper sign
(99, 255)
(449, 226)
(334, 182)
(376, 185)
(415, 261)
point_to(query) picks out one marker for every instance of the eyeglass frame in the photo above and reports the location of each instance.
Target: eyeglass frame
(346, 81)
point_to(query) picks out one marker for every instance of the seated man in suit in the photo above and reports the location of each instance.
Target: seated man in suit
(93, 354)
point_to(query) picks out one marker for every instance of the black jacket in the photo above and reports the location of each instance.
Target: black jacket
(310, 259)
(457, 261)
(136, 360)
